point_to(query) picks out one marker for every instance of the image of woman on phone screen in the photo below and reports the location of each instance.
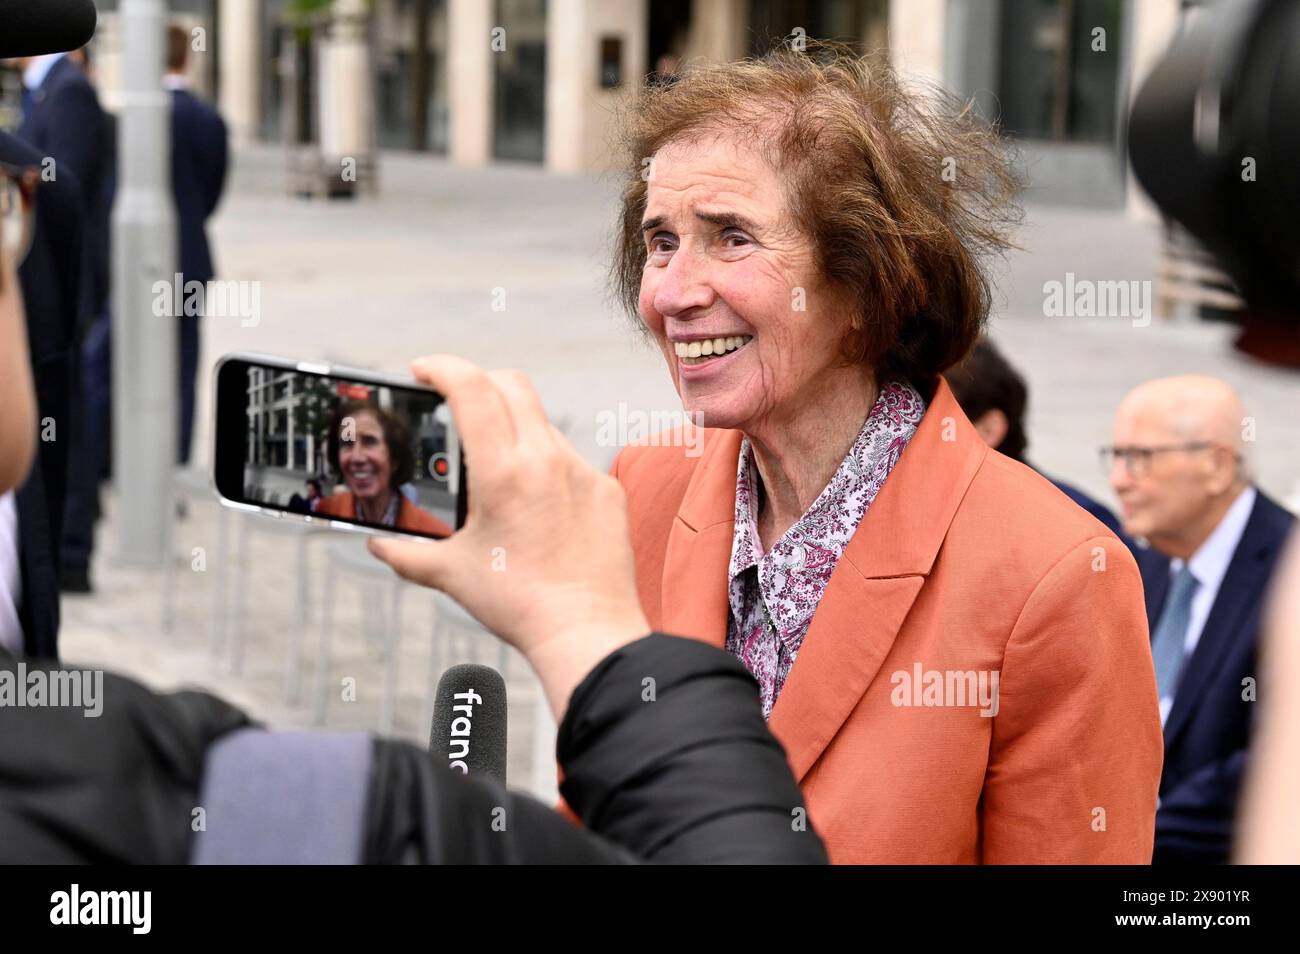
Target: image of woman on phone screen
(372, 450)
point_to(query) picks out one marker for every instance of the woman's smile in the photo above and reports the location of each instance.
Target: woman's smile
(697, 355)
(363, 477)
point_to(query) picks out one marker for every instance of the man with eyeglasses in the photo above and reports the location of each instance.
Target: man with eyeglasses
(1178, 467)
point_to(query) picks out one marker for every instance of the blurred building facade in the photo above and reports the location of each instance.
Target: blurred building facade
(538, 80)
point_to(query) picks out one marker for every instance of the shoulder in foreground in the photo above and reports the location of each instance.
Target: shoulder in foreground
(1023, 506)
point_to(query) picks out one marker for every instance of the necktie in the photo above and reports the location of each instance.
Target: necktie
(1171, 632)
(27, 102)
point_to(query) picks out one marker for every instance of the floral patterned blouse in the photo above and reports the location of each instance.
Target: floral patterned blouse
(773, 596)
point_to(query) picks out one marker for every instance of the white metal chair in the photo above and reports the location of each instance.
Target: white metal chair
(351, 556)
(192, 485)
(457, 637)
(302, 533)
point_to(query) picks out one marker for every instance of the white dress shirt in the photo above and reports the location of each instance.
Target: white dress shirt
(38, 69)
(1209, 564)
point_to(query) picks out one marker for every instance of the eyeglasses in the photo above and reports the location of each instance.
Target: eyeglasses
(17, 209)
(1137, 460)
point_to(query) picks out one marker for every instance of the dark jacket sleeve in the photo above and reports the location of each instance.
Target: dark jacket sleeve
(665, 752)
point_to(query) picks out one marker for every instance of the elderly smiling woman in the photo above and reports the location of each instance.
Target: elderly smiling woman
(953, 654)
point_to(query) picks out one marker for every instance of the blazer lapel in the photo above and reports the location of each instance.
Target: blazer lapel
(699, 545)
(852, 631)
(876, 581)
(1241, 589)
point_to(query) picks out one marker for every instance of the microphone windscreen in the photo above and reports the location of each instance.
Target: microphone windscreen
(469, 722)
(33, 27)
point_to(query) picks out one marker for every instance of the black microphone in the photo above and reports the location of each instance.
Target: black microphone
(469, 722)
(34, 27)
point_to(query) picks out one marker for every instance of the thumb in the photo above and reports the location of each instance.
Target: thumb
(417, 561)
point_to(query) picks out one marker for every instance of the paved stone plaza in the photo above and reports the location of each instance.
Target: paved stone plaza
(375, 282)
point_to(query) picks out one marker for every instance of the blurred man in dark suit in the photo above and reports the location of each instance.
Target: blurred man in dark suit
(996, 399)
(1178, 466)
(199, 160)
(95, 356)
(63, 120)
(51, 281)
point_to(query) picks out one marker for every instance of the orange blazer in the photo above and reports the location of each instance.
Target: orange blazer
(966, 561)
(409, 516)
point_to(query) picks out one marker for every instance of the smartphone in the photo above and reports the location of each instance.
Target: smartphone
(356, 450)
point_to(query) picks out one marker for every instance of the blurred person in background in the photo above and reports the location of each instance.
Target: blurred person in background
(199, 162)
(371, 449)
(996, 399)
(63, 120)
(95, 376)
(1179, 469)
(41, 227)
(808, 275)
(311, 502)
(200, 156)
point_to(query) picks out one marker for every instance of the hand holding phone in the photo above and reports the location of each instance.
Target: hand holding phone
(544, 558)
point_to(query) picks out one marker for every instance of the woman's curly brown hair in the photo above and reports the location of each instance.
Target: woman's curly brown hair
(903, 191)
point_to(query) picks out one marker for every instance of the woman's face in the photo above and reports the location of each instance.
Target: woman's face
(725, 260)
(366, 464)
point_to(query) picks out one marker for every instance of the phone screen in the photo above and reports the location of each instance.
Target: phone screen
(339, 447)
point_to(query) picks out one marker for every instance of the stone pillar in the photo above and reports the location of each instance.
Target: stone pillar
(719, 31)
(567, 80)
(240, 43)
(346, 107)
(579, 111)
(469, 80)
(916, 38)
